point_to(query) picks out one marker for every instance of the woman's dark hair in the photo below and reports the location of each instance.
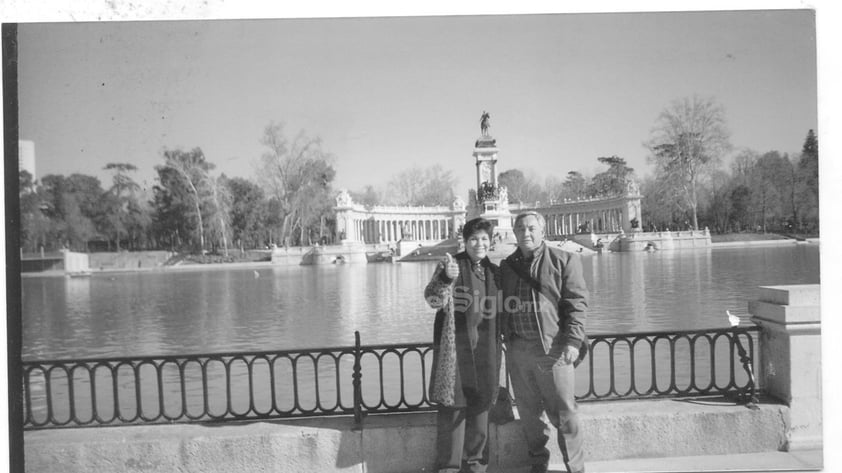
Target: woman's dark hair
(478, 224)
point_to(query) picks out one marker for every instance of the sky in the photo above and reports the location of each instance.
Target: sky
(388, 94)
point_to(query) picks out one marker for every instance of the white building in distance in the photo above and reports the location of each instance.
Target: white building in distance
(26, 157)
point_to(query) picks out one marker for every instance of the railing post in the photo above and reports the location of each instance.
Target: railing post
(357, 382)
(748, 395)
(790, 349)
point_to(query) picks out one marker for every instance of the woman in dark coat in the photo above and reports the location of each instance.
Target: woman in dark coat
(466, 356)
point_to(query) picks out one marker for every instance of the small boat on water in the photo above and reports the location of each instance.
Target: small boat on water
(78, 274)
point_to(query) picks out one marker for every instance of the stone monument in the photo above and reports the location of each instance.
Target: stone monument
(490, 199)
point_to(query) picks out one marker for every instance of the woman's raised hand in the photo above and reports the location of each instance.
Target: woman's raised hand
(450, 266)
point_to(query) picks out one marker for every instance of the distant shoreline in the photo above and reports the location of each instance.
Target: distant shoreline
(165, 269)
(268, 265)
(778, 242)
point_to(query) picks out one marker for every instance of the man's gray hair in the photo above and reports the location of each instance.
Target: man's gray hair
(533, 213)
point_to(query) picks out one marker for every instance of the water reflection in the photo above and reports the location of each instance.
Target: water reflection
(302, 307)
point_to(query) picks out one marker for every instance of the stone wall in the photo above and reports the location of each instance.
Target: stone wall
(682, 240)
(395, 443)
(128, 260)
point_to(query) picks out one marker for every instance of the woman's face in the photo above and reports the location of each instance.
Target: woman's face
(477, 245)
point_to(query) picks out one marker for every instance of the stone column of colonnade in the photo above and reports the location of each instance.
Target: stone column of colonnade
(427, 229)
(601, 221)
(376, 229)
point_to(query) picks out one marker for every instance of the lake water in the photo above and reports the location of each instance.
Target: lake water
(284, 308)
(220, 310)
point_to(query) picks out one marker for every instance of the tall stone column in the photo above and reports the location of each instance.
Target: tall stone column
(790, 352)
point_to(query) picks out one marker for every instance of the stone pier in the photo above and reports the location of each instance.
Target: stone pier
(791, 357)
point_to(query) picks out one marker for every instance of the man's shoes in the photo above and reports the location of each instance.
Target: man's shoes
(539, 468)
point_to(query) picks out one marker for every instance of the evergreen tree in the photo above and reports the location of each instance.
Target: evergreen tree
(808, 183)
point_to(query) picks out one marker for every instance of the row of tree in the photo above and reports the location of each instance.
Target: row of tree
(191, 208)
(769, 191)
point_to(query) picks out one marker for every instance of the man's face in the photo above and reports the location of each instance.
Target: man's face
(529, 234)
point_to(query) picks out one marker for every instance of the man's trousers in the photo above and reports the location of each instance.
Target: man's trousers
(541, 385)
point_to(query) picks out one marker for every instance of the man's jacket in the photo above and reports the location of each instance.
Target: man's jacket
(561, 300)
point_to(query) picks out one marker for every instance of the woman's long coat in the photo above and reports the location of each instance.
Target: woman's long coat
(478, 346)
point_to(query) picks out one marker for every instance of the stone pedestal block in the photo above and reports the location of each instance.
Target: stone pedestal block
(790, 357)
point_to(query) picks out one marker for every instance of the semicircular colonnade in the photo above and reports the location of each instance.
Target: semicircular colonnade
(389, 224)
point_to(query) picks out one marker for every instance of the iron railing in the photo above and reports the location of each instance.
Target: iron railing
(356, 380)
(695, 363)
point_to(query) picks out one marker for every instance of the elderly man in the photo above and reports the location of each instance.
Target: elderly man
(543, 320)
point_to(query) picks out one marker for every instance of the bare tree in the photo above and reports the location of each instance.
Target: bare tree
(521, 187)
(192, 169)
(291, 170)
(428, 186)
(220, 197)
(688, 140)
